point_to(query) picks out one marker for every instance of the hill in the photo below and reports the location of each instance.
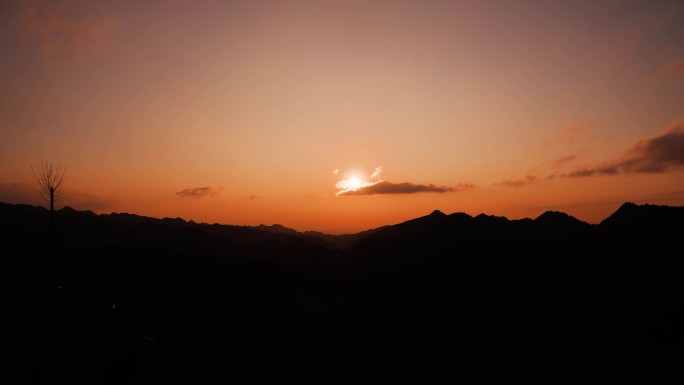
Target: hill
(121, 298)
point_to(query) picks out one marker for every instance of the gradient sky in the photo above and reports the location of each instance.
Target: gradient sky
(250, 112)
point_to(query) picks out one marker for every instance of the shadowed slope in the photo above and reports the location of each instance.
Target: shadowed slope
(128, 299)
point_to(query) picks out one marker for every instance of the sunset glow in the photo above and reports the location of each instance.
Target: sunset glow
(237, 111)
(356, 180)
(351, 184)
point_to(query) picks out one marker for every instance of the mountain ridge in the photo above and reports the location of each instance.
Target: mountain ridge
(626, 213)
(440, 298)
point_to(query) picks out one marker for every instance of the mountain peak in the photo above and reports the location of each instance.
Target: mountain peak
(628, 205)
(655, 215)
(276, 229)
(490, 220)
(559, 218)
(553, 216)
(627, 212)
(437, 213)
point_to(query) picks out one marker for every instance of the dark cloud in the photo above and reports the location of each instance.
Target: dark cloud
(385, 187)
(63, 27)
(199, 192)
(253, 197)
(660, 153)
(517, 182)
(565, 159)
(465, 186)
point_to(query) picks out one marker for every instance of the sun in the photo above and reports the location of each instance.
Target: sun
(354, 183)
(356, 180)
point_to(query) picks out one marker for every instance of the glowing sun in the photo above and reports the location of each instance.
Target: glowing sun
(352, 183)
(356, 180)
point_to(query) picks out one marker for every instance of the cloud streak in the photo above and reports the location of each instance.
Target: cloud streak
(464, 186)
(671, 70)
(62, 27)
(517, 182)
(376, 172)
(358, 183)
(569, 134)
(661, 153)
(564, 160)
(199, 192)
(385, 187)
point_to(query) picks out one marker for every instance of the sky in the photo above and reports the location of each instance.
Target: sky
(340, 116)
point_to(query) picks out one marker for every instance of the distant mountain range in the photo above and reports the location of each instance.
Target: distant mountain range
(443, 298)
(435, 231)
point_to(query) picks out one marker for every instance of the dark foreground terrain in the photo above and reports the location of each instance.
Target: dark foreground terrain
(124, 299)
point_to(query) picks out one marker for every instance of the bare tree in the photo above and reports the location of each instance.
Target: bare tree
(49, 178)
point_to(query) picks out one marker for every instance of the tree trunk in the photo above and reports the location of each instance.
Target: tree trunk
(52, 212)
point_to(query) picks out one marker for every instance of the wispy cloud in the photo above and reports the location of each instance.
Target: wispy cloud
(385, 187)
(569, 134)
(253, 197)
(199, 192)
(63, 27)
(564, 160)
(660, 153)
(671, 70)
(517, 182)
(464, 186)
(376, 172)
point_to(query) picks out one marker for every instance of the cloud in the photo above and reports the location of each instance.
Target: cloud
(358, 182)
(21, 193)
(517, 182)
(62, 27)
(565, 159)
(660, 153)
(84, 201)
(253, 197)
(672, 70)
(352, 184)
(569, 134)
(199, 192)
(385, 187)
(336, 171)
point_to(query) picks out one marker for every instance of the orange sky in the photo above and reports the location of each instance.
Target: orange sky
(239, 112)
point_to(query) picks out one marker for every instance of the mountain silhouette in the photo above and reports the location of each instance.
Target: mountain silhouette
(121, 298)
(645, 216)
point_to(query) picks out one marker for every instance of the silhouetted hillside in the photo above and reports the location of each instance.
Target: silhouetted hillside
(126, 299)
(645, 217)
